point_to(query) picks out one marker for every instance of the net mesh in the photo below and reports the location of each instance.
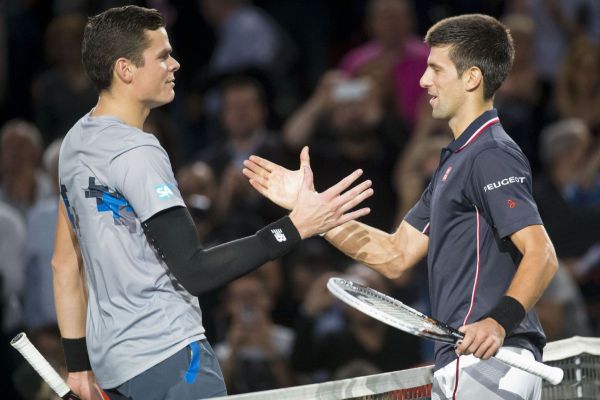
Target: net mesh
(579, 357)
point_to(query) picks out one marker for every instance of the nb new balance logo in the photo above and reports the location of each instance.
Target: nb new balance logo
(279, 236)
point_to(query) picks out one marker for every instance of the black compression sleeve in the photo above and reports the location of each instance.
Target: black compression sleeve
(174, 237)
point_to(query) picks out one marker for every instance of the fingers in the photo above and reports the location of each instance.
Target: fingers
(353, 215)
(261, 162)
(343, 184)
(463, 345)
(355, 196)
(255, 169)
(477, 341)
(259, 188)
(487, 351)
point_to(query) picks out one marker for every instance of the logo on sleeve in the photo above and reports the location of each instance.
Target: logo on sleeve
(503, 182)
(448, 170)
(279, 235)
(164, 191)
(511, 203)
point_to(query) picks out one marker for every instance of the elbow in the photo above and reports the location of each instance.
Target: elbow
(59, 264)
(551, 259)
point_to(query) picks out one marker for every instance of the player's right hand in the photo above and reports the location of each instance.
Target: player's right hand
(316, 213)
(278, 184)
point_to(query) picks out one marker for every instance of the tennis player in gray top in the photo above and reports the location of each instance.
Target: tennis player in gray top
(127, 262)
(489, 256)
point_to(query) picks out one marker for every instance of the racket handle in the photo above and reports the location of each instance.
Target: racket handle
(42, 367)
(554, 375)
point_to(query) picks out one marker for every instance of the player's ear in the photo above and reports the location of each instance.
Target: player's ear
(124, 70)
(472, 79)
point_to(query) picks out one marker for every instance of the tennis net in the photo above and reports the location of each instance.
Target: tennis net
(579, 357)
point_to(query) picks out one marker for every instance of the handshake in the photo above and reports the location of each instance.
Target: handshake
(312, 213)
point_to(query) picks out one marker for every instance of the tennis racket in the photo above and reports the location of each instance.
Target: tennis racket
(42, 367)
(395, 313)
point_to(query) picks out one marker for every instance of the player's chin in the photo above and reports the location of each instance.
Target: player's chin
(438, 113)
(167, 97)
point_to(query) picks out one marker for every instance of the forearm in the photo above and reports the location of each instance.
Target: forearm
(370, 246)
(70, 295)
(536, 270)
(70, 301)
(199, 270)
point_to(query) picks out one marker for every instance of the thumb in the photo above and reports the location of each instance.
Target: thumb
(463, 328)
(304, 157)
(307, 178)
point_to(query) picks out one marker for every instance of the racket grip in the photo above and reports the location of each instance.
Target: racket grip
(43, 368)
(554, 375)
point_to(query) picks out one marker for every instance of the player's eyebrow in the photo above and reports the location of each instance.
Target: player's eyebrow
(165, 52)
(433, 64)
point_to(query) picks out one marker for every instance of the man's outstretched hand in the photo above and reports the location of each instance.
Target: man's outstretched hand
(276, 183)
(315, 213)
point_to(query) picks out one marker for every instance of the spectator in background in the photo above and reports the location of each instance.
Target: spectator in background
(518, 99)
(244, 115)
(12, 268)
(303, 268)
(557, 23)
(12, 280)
(160, 124)
(578, 85)
(255, 353)
(568, 193)
(23, 181)
(198, 187)
(561, 308)
(64, 92)
(247, 38)
(416, 166)
(347, 125)
(41, 225)
(394, 58)
(364, 339)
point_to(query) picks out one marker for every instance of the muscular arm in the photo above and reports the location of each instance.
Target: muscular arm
(534, 273)
(69, 291)
(388, 254)
(537, 267)
(198, 270)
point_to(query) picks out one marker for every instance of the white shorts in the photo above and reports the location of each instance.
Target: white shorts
(486, 379)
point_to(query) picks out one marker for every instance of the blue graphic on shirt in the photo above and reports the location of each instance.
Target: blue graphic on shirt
(113, 202)
(73, 217)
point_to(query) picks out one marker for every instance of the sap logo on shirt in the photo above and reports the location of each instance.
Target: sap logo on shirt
(164, 191)
(279, 235)
(503, 182)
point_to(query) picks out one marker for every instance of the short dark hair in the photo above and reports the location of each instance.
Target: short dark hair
(476, 40)
(114, 33)
(245, 81)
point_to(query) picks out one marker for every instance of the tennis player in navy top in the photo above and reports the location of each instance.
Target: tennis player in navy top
(489, 256)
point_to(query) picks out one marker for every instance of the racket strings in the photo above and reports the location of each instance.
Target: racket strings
(412, 319)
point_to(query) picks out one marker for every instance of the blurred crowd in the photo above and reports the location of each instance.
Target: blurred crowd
(268, 77)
